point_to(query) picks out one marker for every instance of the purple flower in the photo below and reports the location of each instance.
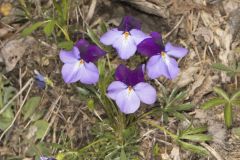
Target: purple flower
(129, 89)
(125, 38)
(46, 158)
(160, 62)
(78, 63)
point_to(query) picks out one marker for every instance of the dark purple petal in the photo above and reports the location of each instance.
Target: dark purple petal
(82, 45)
(122, 73)
(148, 47)
(92, 54)
(128, 23)
(129, 77)
(158, 39)
(174, 51)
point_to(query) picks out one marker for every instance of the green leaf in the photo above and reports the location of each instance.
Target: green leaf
(197, 137)
(193, 148)
(184, 107)
(42, 127)
(221, 93)
(236, 102)
(93, 36)
(90, 104)
(123, 155)
(236, 96)
(30, 107)
(228, 115)
(222, 67)
(195, 130)
(5, 122)
(48, 29)
(27, 31)
(68, 45)
(212, 103)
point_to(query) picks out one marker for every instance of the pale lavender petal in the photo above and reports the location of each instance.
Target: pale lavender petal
(70, 72)
(146, 93)
(174, 51)
(111, 36)
(114, 88)
(172, 66)
(156, 67)
(138, 36)
(70, 56)
(128, 101)
(88, 73)
(125, 46)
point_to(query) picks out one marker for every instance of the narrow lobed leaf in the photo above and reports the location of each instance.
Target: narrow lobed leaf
(212, 103)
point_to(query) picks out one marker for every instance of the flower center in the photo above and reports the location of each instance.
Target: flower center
(81, 61)
(126, 34)
(163, 54)
(130, 89)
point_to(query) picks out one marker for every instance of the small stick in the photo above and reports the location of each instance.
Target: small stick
(176, 26)
(18, 112)
(212, 151)
(19, 93)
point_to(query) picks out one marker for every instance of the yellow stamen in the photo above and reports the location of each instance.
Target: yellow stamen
(126, 34)
(129, 89)
(163, 55)
(81, 61)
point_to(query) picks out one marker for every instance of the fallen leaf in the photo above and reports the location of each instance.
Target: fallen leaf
(13, 51)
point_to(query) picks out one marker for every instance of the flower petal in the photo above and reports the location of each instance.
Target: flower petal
(136, 76)
(70, 56)
(145, 92)
(82, 45)
(125, 46)
(138, 36)
(70, 72)
(111, 36)
(157, 37)
(92, 54)
(88, 73)
(114, 88)
(172, 66)
(156, 67)
(128, 23)
(122, 73)
(177, 52)
(128, 101)
(148, 47)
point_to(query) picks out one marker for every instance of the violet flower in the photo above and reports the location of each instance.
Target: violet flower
(160, 62)
(78, 63)
(129, 89)
(125, 38)
(46, 158)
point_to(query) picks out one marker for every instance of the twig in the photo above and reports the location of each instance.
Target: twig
(176, 26)
(212, 151)
(91, 10)
(19, 93)
(18, 112)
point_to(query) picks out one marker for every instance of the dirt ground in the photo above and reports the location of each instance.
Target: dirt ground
(208, 28)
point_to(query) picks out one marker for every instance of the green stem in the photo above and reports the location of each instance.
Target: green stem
(64, 32)
(173, 136)
(228, 115)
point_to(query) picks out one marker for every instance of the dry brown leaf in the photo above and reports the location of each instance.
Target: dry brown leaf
(175, 154)
(13, 50)
(206, 33)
